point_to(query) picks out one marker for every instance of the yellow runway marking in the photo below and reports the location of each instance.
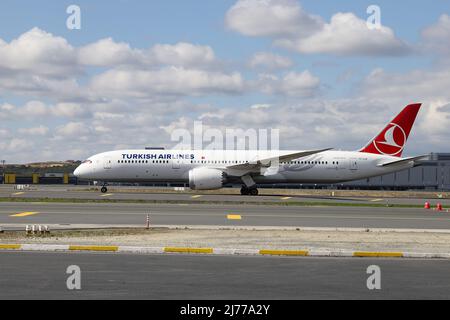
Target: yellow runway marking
(376, 200)
(234, 217)
(106, 195)
(10, 246)
(18, 193)
(93, 248)
(284, 252)
(188, 250)
(196, 196)
(378, 254)
(24, 214)
(286, 198)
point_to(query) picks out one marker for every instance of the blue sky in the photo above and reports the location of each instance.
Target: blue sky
(317, 77)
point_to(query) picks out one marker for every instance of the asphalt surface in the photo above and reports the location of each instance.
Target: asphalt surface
(76, 192)
(29, 275)
(21, 213)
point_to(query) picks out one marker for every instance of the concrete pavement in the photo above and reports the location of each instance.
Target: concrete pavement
(123, 193)
(107, 276)
(206, 214)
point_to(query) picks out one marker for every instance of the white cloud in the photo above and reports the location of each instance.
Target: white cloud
(416, 85)
(439, 33)
(183, 54)
(429, 87)
(34, 131)
(37, 109)
(106, 52)
(302, 84)
(271, 18)
(39, 52)
(166, 81)
(347, 34)
(260, 106)
(436, 38)
(70, 110)
(39, 64)
(434, 122)
(78, 130)
(293, 28)
(270, 61)
(4, 134)
(33, 109)
(15, 145)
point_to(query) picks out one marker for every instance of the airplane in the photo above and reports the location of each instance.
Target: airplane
(213, 169)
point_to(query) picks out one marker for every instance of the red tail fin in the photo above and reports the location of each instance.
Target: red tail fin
(392, 139)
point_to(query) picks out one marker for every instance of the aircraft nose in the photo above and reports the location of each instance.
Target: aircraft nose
(78, 171)
(82, 171)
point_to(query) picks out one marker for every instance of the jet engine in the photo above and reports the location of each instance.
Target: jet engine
(206, 179)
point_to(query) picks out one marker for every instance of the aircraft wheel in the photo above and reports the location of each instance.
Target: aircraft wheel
(104, 189)
(254, 192)
(244, 191)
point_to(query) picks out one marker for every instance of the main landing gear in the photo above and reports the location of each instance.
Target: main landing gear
(252, 191)
(104, 189)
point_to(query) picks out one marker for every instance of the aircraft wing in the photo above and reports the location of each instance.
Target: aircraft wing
(402, 161)
(267, 162)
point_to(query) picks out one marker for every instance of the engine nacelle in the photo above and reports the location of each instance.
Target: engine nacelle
(206, 179)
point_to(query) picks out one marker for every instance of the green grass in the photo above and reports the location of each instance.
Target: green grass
(273, 203)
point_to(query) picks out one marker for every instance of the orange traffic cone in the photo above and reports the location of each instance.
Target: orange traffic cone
(439, 207)
(427, 205)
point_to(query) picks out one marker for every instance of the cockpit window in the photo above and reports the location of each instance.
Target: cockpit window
(87, 162)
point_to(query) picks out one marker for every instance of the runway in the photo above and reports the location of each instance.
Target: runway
(79, 192)
(107, 276)
(21, 213)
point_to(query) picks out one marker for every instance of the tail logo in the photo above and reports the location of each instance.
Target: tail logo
(391, 141)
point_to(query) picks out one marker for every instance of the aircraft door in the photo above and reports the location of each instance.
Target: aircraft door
(176, 163)
(107, 163)
(353, 164)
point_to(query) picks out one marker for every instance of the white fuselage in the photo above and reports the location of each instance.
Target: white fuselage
(175, 165)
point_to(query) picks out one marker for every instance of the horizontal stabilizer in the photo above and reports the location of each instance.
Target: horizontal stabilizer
(402, 161)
